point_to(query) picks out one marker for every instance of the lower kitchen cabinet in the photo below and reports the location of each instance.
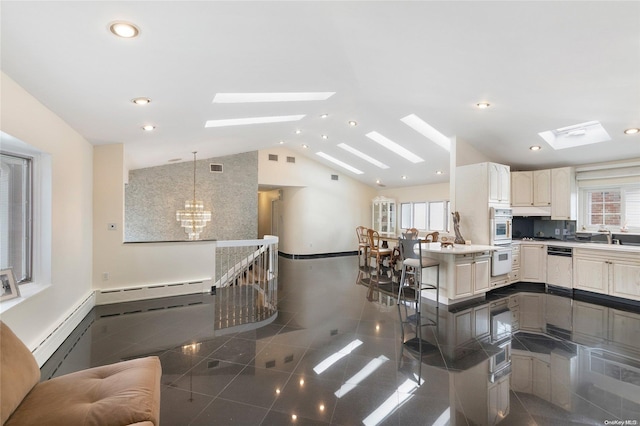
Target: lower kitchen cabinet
(472, 274)
(533, 263)
(591, 273)
(625, 278)
(607, 272)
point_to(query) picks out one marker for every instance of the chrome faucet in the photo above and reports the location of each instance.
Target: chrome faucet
(609, 236)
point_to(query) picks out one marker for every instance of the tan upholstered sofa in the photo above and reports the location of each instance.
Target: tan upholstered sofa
(126, 393)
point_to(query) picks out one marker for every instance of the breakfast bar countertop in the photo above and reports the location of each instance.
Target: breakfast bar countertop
(457, 248)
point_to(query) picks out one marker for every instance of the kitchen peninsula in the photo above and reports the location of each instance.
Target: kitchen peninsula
(465, 270)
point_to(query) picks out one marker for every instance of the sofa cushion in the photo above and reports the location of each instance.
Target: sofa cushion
(19, 372)
(118, 394)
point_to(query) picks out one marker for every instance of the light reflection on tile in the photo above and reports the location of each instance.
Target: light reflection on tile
(253, 376)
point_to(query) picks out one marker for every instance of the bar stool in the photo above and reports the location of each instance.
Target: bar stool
(410, 291)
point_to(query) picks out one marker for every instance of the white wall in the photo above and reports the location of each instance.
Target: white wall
(319, 215)
(26, 119)
(135, 264)
(434, 192)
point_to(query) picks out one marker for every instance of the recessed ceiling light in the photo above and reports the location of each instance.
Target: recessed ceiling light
(438, 172)
(141, 101)
(325, 137)
(324, 115)
(304, 145)
(378, 181)
(483, 105)
(339, 163)
(281, 142)
(124, 29)
(362, 155)
(298, 131)
(252, 120)
(426, 130)
(232, 98)
(632, 131)
(404, 177)
(148, 127)
(353, 123)
(535, 148)
(394, 147)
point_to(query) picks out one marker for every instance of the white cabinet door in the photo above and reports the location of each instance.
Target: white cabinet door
(521, 188)
(521, 373)
(533, 263)
(625, 279)
(563, 194)
(481, 274)
(541, 379)
(591, 274)
(542, 187)
(499, 184)
(464, 277)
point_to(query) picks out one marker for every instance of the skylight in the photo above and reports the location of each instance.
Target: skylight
(252, 120)
(339, 163)
(576, 135)
(394, 147)
(234, 98)
(426, 130)
(362, 155)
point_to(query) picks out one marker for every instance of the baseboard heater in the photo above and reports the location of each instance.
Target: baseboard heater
(151, 291)
(54, 339)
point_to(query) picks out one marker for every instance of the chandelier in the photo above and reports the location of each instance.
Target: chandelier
(194, 217)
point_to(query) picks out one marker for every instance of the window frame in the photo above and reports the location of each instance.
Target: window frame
(26, 275)
(584, 206)
(427, 220)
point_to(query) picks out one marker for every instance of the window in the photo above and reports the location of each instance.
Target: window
(614, 207)
(16, 212)
(432, 216)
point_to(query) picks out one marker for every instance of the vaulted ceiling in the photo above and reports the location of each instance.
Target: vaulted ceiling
(540, 65)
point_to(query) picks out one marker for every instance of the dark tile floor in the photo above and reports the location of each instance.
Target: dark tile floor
(333, 355)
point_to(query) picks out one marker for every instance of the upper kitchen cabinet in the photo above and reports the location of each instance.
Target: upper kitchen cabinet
(384, 216)
(477, 188)
(563, 194)
(499, 183)
(532, 188)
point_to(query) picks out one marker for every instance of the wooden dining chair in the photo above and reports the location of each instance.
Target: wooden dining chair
(432, 237)
(376, 250)
(363, 243)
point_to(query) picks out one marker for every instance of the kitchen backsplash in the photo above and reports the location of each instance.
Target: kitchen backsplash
(536, 227)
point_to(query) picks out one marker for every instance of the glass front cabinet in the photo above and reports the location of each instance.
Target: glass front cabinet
(384, 216)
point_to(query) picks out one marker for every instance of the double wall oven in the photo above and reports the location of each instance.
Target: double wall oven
(500, 226)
